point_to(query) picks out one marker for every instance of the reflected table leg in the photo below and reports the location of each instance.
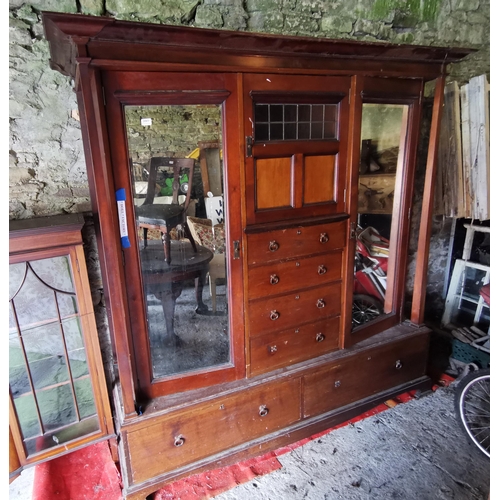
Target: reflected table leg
(201, 308)
(168, 298)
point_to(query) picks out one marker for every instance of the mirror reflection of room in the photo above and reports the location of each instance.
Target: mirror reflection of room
(381, 131)
(176, 169)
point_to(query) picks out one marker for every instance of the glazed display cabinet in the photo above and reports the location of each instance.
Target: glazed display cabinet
(256, 289)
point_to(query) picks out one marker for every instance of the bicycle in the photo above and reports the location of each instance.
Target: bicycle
(472, 404)
(472, 400)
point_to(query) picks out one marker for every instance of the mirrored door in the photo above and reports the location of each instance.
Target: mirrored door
(181, 234)
(174, 157)
(383, 138)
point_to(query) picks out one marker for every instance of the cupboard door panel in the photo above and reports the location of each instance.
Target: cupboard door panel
(274, 182)
(289, 310)
(182, 438)
(319, 179)
(294, 242)
(295, 274)
(365, 374)
(275, 350)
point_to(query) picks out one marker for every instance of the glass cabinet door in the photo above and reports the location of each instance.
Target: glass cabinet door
(58, 396)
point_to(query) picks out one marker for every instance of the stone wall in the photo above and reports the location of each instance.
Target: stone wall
(47, 172)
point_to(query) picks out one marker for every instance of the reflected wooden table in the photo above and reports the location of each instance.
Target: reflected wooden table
(166, 281)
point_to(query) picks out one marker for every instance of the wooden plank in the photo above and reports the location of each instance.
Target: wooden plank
(466, 154)
(479, 146)
(449, 197)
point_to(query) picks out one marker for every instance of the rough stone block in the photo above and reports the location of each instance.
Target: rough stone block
(18, 175)
(336, 24)
(269, 21)
(208, 17)
(19, 32)
(93, 7)
(68, 6)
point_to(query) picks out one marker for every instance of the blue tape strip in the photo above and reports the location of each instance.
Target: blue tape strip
(120, 195)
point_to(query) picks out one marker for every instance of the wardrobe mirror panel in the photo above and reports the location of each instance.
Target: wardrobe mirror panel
(176, 168)
(383, 139)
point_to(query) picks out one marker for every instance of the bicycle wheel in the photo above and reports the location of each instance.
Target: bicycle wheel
(472, 404)
(365, 308)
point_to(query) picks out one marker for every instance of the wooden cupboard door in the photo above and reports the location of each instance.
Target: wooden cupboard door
(296, 145)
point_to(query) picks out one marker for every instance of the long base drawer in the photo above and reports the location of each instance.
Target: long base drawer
(360, 376)
(207, 429)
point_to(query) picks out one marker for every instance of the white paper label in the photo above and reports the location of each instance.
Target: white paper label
(122, 218)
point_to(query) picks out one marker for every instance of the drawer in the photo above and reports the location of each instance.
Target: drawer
(298, 241)
(172, 441)
(288, 310)
(276, 350)
(364, 375)
(282, 277)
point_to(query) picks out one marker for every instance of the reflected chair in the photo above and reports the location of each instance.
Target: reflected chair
(162, 216)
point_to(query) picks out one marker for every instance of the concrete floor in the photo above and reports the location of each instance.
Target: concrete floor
(414, 451)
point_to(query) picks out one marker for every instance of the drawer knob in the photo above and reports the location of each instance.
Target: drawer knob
(398, 365)
(321, 269)
(273, 348)
(263, 410)
(337, 383)
(274, 315)
(273, 279)
(323, 238)
(320, 337)
(179, 440)
(273, 246)
(320, 304)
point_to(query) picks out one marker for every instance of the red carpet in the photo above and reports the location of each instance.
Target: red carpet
(90, 474)
(86, 474)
